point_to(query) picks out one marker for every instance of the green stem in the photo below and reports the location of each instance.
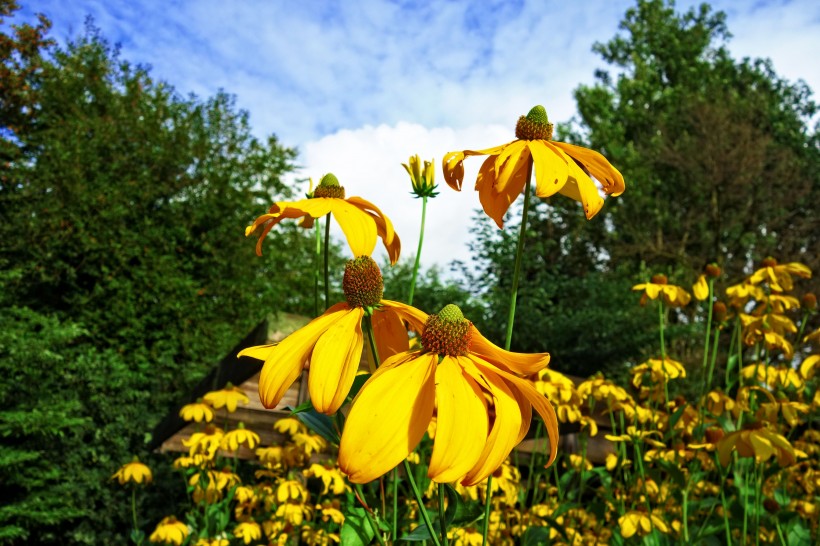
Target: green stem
(316, 262)
(371, 339)
(686, 514)
(723, 501)
(424, 515)
(418, 251)
(395, 504)
(708, 327)
(486, 526)
(519, 251)
(327, 264)
(370, 519)
(441, 520)
(660, 330)
(532, 459)
(712, 360)
(134, 508)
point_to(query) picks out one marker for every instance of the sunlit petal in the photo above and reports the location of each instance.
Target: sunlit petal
(335, 361)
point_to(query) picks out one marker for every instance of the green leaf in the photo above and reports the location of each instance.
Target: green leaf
(320, 424)
(356, 530)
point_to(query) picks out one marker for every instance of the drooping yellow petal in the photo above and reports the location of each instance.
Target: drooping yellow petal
(284, 361)
(462, 423)
(581, 188)
(520, 363)
(452, 164)
(391, 335)
(512, 158)
(538, 401)
(389, 417)
(335, 361)
(358, 227)
(505, 428)
(384, 227)
(414, 318)
(609, 177)
(551, 169)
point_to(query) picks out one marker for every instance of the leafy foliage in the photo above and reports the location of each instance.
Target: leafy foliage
(125, 271)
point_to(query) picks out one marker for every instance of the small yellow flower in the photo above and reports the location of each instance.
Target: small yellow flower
(779, 276)
(808, 366)
(641, 523)
(634, 435)
(701, 288)
(239, 436)
(290, 426)
(291, 490)
(423, 180)
(248, 531)
(361, 221)
(659, 371)
(228, 398)
(134, 471)
(219, 541)
(198, 411)
(331, 477)
(205, 443)
(673, 296)
(170, 531)
(758, 442)
(558, 167)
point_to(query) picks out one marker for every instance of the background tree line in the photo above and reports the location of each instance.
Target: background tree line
(124, 273)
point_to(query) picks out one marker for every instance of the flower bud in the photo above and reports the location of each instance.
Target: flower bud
(659, 279)
(809, 301)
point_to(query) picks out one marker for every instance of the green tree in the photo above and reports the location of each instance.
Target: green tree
(125, 271)
(720, 161)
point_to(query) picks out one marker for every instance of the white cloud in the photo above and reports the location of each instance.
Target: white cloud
(367, 162)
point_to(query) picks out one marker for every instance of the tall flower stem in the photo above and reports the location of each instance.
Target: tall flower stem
(441, 514)
(661, 330)
(134, 509)
(327, 265)
(418, 251)
(519, 252)
(424, 515)
(371, 339)
(316, 266)
(708, 328)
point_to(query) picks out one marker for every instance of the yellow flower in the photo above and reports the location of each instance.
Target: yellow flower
(779, 276)
(641, 523)
(718, 403)
(248, 531)
(205, 443)
(361, 221)
(673, 296)
(170, 531)
(291, 491)
(235, 438)
(134, 471)
(659, 370)
(197, 411)
(331, 477)
(423, 180)
(773, 376)
(464, 378)
(559, 168)
(701, 288)
(469, 536)
(758, 442)
(228, 398)
(331, 345)
(289, 425)
(739, 294)
(634, 435)
(213, 542)
(808, 365)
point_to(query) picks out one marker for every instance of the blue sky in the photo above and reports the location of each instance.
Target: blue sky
(358, 87)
